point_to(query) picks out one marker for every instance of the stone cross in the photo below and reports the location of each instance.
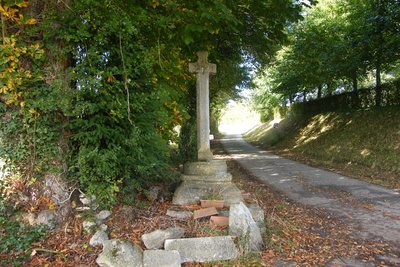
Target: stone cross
(203, 69)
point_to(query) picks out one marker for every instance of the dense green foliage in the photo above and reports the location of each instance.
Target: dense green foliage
(338, 46)
(94, 89)
(16, 238)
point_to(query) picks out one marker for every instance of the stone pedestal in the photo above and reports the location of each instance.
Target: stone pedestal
(204, 180)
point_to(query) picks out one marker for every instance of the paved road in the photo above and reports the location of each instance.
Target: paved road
(372, 211)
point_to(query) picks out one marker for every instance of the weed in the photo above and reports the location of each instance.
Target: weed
(16, 238)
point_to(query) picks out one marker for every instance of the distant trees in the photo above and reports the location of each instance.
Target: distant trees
(336, 46)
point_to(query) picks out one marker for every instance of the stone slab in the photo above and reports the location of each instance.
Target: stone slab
(242, 225)
(203, 249)
(118, 253)
(179, 214)
(192, 192)
(205, 167)
(161, 258)
(258, 215)
(155, 239)
(202, 213)
(98, 239)
(222, 178)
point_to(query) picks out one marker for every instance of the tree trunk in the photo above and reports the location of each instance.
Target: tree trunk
(319, 92)
(355, 81)
(356, 98)
(291, 99)
(378, 96)
(304, 96)
(380, 29)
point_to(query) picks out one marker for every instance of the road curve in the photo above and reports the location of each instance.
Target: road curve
(372, 211)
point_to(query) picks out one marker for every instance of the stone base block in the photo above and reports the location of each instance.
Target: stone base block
(217, 178)
(202, 168)
(192, 192)
(203, 249)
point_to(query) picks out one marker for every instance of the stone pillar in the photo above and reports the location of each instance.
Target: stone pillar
(203, 69)
(205, 177)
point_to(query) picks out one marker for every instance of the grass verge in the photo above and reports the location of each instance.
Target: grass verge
(361, 144)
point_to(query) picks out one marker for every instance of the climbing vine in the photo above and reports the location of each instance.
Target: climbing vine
(94, 90)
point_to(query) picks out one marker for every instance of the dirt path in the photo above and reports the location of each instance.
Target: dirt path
(371, 211)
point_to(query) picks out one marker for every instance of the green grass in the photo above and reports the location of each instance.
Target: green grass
(367, 139)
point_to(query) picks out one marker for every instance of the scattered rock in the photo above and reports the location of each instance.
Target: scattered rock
(258, 215)
(118, 253)
(207, 212)
(89, 226)
(256, 212)
(180, 214)
(46, 217)
(102, 215)
(103, 227)
(87, 201)
(242, 225)
(98, 238)
(203, 249)
(28, 217)
(161, 258)
(82, 208)
(156, 239)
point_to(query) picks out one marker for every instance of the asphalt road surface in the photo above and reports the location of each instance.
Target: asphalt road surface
(372, 211)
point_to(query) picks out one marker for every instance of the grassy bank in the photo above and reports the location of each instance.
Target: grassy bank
(362, 144)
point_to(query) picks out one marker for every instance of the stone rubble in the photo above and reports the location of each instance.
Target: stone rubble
(118, 253)
(103, 215)
(179, 214)
(99, 238)
(242, 225)
(244, 222)
(203, 249)
(155, 239)
(161, 258)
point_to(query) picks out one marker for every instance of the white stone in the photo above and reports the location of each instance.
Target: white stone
(102, 215)
(89, 225)
(156, 238)
(203, 249)
(161, 258)
(103, 227)
(203, 69)
(118, 253)
(258, 215)
(82, 208)
(87, 200)
(99, 238)
(242, 225)
(46, 217)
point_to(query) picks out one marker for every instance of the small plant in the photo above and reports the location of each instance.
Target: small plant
(16, 238)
